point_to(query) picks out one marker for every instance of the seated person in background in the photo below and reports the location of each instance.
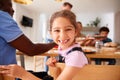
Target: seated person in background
(67, 6)
(104, 32)
(79, 25)
(80, 38)
(88, 41)
(63, 30)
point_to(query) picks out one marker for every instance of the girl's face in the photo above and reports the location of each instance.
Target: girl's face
(63, 32)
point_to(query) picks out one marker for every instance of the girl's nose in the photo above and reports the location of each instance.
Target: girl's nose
(63, 34)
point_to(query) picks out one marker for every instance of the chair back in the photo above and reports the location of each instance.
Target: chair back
(6, 78)
(1, 77)
(90, 72)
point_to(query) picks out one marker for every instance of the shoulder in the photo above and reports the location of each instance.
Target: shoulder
(4, 14)
(108, 40)
(76, 54)
(6, 18)
(9, 30)
(75, 51)
(76, 59)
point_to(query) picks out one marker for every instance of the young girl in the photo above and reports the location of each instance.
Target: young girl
(63, 29)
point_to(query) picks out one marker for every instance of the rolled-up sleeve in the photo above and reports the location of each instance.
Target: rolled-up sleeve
(9, 29)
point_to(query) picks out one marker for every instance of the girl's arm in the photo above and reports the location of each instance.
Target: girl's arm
(68, 73)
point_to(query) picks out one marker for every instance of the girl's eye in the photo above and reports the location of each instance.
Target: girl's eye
(68, 29)
(56, 30)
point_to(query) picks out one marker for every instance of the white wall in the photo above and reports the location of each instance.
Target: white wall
(43, 26)
(34, 32)
(87, 14)
(108, 20)
(117, 27)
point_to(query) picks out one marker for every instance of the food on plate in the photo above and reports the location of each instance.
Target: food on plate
(80, 39)
(108, 49)
(107, 44)
(98, 36)
(87, 50)
(110, 44)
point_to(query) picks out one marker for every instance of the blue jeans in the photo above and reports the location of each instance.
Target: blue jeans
(45, 59)
(45, 66)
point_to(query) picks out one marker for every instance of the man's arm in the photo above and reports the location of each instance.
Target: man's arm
(25, 45)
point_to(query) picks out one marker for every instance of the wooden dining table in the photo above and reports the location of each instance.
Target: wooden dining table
(53, 53)
(90, 56)
(106, 55)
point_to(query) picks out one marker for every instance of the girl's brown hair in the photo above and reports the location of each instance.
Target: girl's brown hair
(66, 14)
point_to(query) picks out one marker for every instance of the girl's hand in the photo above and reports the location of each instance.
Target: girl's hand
(51, 62)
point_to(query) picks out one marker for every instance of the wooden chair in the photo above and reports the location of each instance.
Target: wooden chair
(6, 78)
(1, 77)
(90, 72)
